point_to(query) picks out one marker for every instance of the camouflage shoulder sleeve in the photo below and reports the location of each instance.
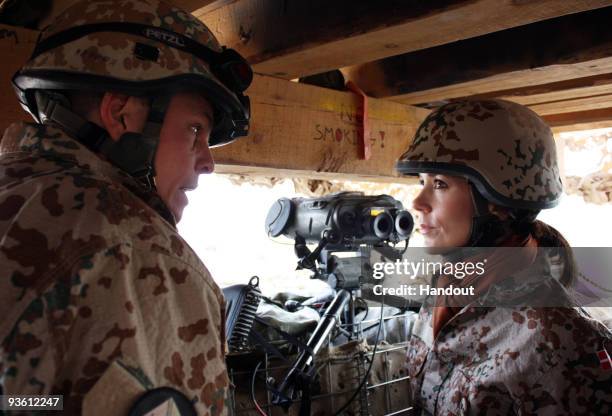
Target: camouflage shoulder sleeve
(157, 314)
(574, 382)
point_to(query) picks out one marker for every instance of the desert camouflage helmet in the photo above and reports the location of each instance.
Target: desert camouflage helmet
(142, 48)
(505, 149)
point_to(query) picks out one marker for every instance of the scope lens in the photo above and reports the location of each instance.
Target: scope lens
(383, 225)
(404, 223)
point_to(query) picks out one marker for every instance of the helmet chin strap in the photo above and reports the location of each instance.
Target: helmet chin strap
(485, 230)
(134, 153)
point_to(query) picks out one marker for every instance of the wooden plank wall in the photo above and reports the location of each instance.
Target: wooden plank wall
(314, 132)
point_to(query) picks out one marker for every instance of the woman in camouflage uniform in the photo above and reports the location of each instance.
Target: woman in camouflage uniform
(102, 301)
(487, 167)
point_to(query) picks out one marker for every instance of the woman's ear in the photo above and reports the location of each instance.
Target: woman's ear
(500, 212)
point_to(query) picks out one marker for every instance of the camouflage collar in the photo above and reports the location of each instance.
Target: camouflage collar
(535, 286)
(49, 141)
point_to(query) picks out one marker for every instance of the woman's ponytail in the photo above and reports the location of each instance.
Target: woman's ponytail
(548, 236)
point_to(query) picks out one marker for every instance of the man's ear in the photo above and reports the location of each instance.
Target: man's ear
(121, 113)
(111, 116)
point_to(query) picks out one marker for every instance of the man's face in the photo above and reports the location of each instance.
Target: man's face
(183, 153)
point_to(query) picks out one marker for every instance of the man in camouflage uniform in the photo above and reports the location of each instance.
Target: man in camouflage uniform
(101, 299)
(468, 359)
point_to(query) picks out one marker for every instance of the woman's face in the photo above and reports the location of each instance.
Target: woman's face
(445, 211)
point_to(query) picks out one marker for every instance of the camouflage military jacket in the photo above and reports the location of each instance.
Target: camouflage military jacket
(510, 361)
(100, 297)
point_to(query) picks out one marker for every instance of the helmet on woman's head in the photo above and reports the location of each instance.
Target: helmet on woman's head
(141, 48)
(504, 149)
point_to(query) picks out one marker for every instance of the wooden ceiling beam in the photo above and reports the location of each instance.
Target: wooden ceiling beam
(292, 39)
(576, 105)
(559, 91)
(585, 120)
(314, 132)
(192, 6)
(556, 50)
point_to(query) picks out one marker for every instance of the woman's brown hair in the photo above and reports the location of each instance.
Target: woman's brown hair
(548, 236)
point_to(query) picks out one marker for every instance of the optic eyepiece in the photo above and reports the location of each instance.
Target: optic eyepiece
(404, 224)
(383, 225)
